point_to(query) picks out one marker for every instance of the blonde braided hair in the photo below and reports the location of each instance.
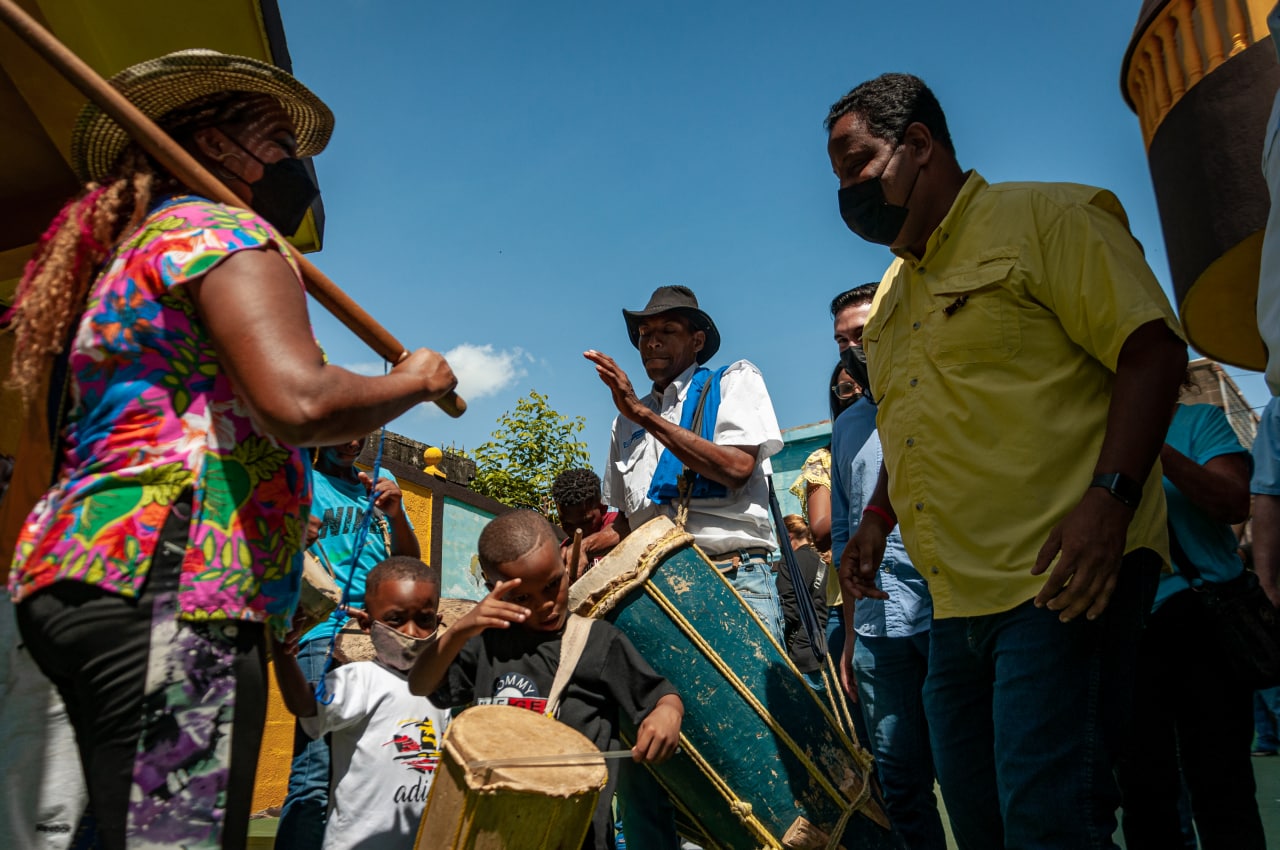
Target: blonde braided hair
(55, 282)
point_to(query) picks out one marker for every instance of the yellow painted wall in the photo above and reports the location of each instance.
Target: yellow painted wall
(417, 506)
(272, 781)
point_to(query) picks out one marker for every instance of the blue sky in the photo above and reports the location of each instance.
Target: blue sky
(505, 177)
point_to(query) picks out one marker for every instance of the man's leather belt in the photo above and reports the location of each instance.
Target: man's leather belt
(733, 559)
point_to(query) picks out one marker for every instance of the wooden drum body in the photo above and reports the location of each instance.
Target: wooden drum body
(516, 807)
(763, 762)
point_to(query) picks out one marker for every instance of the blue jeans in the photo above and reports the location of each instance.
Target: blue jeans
(1189, 713)
(1027, 714)
(835, 648)
(1266, 717)
(755, 583)
(891, 672)
(306, 806)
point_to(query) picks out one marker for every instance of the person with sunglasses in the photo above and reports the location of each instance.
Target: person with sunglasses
(883, 643)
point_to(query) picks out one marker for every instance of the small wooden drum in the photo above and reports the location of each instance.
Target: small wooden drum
(320, 594)
(512, 806)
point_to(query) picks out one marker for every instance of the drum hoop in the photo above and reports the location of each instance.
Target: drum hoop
(615, 577)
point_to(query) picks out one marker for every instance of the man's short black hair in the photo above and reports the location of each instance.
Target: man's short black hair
(575, 487)
(399, 568)
(889, 104)
(863, 294)
(509, 537)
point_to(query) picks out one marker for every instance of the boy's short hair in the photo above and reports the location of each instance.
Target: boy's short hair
(510, 536)
(399, 568)
(576, 487)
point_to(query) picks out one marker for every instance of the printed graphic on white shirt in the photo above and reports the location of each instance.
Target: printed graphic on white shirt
(416, 745)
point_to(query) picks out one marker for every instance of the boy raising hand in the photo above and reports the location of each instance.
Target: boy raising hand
(506, 650)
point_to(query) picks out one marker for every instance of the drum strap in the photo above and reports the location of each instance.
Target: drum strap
(571, 647)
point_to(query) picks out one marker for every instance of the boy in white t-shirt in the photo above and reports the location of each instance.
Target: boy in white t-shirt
(385, 741)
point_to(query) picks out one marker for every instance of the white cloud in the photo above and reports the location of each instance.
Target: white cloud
(483, 371)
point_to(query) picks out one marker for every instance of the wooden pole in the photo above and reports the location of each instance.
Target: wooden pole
(574, 574)
(182, 165)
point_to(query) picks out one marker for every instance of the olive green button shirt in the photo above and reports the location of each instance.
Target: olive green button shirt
(992, 359)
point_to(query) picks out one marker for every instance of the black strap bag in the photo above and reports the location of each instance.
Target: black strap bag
(1240, 617)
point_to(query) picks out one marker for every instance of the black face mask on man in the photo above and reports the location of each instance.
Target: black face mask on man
(868, 214)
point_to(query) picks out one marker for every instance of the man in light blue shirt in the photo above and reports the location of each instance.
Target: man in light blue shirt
(887, 639)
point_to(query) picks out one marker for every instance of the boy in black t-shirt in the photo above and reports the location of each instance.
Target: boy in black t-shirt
(507, 650)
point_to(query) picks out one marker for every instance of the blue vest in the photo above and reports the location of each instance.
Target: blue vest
(664, 487)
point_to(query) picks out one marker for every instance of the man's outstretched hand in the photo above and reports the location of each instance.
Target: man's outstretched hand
(624, 395)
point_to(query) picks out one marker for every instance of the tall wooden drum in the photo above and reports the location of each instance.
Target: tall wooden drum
(763, 762)
(513, 806)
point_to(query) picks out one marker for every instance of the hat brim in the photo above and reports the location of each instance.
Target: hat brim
(699, 319)
(161, 85)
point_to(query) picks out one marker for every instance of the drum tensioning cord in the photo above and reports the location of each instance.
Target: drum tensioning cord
(362, 534)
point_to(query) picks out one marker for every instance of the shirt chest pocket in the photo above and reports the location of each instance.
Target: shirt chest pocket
(635, 468)
(974, 317)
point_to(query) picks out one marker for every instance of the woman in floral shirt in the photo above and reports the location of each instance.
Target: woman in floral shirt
(170, 538)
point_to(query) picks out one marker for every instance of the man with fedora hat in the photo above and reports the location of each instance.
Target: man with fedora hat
(720, 426)
(656, 437)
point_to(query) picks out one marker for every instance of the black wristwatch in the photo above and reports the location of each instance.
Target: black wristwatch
(1127, 491)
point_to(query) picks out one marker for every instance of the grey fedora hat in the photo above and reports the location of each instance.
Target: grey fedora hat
(676, 299)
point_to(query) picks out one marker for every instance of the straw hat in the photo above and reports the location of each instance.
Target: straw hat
(161, 85)
(681, 300)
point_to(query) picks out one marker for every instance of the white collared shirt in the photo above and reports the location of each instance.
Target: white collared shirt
(740, 520)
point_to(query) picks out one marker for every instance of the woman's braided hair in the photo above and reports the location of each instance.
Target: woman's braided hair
(55, 282)
(56, 279)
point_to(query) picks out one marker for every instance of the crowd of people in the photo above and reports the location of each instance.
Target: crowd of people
(1003, 542)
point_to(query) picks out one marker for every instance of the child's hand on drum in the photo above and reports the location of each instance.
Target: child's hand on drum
(493, 612)
(659, 734)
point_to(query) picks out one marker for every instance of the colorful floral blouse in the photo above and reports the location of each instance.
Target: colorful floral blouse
(815, 472)
(152, 413)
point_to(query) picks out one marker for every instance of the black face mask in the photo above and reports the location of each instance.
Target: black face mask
(854, 361)
(284, 194)
(866, 212)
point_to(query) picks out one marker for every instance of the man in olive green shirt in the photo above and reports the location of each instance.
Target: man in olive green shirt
(1024, 361)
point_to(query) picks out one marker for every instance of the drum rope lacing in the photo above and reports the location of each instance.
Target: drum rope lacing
(750, 698)
(675, 538)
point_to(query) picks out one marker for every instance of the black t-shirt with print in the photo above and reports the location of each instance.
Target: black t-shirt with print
(516, 666)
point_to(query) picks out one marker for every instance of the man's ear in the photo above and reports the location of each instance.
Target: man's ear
(362, 618)
(699, 340)
(919, 142)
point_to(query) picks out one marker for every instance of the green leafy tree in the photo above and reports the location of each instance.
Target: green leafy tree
(531, 446)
